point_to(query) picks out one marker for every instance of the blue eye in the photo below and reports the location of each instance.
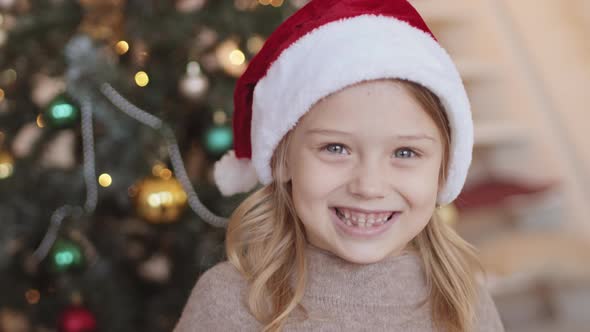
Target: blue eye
(405, 153)
(336, 148)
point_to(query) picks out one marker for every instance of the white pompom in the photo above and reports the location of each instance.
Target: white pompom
(233, 175)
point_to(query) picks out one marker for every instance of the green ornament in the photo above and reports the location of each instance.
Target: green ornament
(219, 139)
(66, 255)
(61, 112)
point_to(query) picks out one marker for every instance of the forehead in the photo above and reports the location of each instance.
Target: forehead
(374, 107)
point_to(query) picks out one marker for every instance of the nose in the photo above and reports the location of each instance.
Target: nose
(369, 180)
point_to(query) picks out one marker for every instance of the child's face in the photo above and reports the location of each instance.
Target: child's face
(364, 153)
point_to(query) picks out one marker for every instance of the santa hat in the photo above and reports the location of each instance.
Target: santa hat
(324, 47)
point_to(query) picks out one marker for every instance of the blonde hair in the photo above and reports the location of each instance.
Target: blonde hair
(265, 241)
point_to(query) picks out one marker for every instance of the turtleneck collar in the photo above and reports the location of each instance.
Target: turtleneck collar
(393, 281)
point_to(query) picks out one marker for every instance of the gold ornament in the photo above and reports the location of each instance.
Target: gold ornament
(6, 165)
(160, 200)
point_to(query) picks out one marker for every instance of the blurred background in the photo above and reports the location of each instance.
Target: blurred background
(112, 113)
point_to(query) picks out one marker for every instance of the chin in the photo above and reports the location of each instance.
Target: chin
(363, 256)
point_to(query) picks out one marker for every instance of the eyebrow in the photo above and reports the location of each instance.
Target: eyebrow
(344, 133)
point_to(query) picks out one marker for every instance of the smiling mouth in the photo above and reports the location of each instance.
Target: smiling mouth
(363, 220)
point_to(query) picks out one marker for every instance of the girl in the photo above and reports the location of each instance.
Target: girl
(358, 125)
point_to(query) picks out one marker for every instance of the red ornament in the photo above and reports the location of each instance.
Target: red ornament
(76, 319)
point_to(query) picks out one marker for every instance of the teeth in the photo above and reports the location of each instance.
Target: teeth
(362, 220)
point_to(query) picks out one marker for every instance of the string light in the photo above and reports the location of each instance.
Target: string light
(160, 170)
(157, 169)
(276, 3)
(166, 174)
(40, 122)
(142, 79)
(237, 57)
(122, 47)
(231, 58)
(105, 180)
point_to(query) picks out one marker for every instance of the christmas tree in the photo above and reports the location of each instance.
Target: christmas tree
(112, 114)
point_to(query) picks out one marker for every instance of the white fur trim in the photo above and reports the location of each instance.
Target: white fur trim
(345, 52)
(233, 175)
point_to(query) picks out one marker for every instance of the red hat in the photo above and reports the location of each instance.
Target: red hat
(324, 47)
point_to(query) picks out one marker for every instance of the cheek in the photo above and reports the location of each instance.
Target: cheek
(314, 179)
(420, 187)
(312, 183)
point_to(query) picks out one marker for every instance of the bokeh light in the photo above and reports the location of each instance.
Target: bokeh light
(142, 79)
(105, 180)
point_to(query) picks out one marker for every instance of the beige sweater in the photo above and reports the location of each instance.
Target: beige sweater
(340, 296)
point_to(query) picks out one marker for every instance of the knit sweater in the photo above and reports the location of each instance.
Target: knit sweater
(390, 295)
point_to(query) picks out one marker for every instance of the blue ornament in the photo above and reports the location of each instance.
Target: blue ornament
(219, 139)
(61, 112)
